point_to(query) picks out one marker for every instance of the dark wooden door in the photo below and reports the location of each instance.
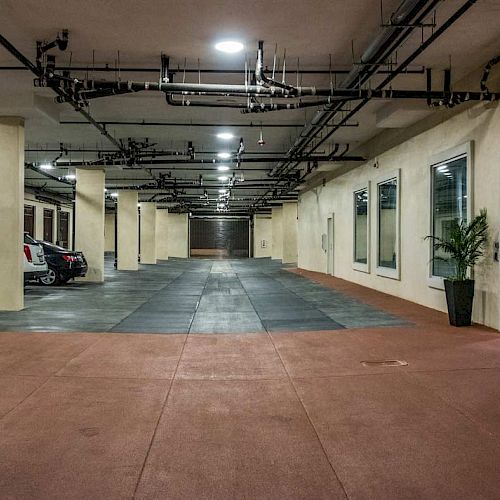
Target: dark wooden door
(29, 220)
(63, 229)
(48, 225)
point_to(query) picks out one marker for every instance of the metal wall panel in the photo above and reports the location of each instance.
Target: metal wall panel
(222, 237)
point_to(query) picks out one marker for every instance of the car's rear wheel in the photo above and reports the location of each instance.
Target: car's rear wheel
(51, 278)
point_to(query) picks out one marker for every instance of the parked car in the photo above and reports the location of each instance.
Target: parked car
(63, 264)
(35, 265)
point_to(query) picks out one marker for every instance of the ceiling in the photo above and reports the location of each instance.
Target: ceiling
(133, 35)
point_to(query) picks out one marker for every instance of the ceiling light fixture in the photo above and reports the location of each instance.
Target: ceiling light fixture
(223, 178)
(71, 177)
(114, 195)
(229, 46)
(222, 191)
(46, 166)
(222, 168)
(226, 136)
(224, 155)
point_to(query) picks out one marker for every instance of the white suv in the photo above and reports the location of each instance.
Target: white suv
(34, 260)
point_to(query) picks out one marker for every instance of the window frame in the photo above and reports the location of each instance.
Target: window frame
(359, 266)
(387, 272)
(462, 150)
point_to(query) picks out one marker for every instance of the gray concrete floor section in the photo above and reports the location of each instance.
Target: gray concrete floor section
(193, 296)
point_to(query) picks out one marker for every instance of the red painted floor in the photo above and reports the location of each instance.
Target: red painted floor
(285, 415)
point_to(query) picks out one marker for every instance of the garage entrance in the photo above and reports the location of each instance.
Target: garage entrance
(219, 237)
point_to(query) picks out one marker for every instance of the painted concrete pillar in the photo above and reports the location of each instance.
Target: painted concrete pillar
(89, 221)
(178, 235)
(128, 231)
(277, 230)
(12, 210)
(290, 230)
(148, 233)
(109, 232)
(162, 233)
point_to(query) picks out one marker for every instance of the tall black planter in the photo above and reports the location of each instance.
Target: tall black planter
(459, 297)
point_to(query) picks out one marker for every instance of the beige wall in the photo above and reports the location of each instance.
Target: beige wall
(262, 231)
(277, 230)
(289, 232)
(109, 232)
(178, 235)
(29, 199)
(162, 233)
(480, 124)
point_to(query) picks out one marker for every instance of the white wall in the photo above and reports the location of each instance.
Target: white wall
(30, 199)
(480, 124)
(178, 235)
(262, 231)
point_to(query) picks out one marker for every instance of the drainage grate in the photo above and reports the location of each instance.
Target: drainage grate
(385, 362)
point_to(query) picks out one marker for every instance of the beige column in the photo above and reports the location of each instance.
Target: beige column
(109, 232)
(277, 230)
(11, 210)
(178, 235)
(290, 229)
(89, 221)
(162, 233)
(128, 231)
(148, 233)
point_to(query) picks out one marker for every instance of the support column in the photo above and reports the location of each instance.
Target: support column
(89, 221)
(290, 229)
(178, 232)
(277, 226)
(128, 231)
(148, 233)
(162, 233)
(109, 232)
(12, 210)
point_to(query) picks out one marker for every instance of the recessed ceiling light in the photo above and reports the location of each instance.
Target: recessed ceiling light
(223, 168)
(225, 135)
(114, 195)
(223, 178)
(222, 191)
(46, 166)
(224, 156)
(229, 46)
(71, 177)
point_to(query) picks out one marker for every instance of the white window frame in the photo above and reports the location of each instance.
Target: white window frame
(359, 266)
(387, 272)
(463, 150)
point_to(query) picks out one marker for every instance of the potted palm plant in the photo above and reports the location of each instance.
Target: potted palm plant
(465, 246)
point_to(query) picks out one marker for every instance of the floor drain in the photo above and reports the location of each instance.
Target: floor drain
(385, 362)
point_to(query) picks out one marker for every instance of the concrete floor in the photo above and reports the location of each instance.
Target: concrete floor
(280, 414)
(193, 296)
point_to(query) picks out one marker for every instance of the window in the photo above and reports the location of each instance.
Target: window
(450, 201)
(48, 225)
(388, 227)
(29, 220)
(361, 229)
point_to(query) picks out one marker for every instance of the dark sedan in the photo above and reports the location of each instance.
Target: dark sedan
(63, 264)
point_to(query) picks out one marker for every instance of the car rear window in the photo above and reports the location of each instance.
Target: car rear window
(29, 240)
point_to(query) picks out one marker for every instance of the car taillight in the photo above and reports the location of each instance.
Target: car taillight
(69, 258)
(27, 252)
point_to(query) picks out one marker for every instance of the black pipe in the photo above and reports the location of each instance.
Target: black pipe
(486, 72)
(188, 124)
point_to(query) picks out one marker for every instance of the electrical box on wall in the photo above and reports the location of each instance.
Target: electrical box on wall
(324, 242)
(263, 243)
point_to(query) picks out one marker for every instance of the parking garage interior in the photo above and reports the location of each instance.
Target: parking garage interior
(219, 276)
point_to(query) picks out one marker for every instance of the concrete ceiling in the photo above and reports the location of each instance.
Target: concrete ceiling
(309, 31)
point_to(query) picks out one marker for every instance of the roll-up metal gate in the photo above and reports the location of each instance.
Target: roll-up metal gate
(222, 237)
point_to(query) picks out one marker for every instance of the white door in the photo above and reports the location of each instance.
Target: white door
(330, 247)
